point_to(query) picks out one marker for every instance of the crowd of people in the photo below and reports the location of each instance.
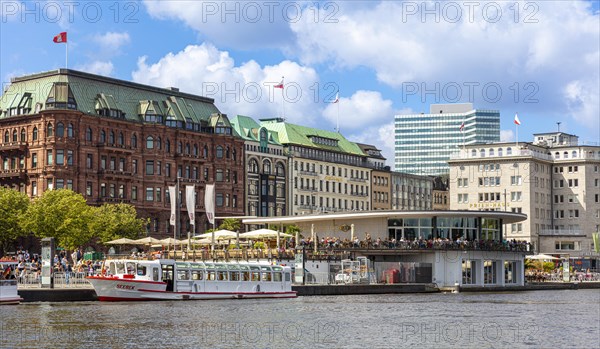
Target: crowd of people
(417, 244)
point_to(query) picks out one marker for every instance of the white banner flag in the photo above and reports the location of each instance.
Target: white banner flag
(190, 203)
(209, 202)
(173, 196)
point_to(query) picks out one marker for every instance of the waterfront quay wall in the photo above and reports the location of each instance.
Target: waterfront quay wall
(88, 294)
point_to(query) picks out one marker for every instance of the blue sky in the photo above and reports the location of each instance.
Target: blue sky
(540, 59)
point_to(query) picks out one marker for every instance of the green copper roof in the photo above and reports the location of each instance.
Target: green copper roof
(290, 134)
(92, 92)
(249, 129)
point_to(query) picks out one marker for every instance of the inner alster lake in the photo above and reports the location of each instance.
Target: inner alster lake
(536, 319)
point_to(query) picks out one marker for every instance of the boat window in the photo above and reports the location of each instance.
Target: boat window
(130, 268)
(141, 270)
(155, 274)
(232, 267)
(287, 276)
(234, 276)
(266, 276)
(255, 276)
(222, 276)
(211, 275)
(245, 276)
(183, 265)
(197, 275)
(112, 270)
(183, 275)
(244, 267)
(277, 268)
(265, 268)
(277, 277)
(254, 267)
(120, 268)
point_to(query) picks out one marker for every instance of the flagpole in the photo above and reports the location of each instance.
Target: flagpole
(67, 55)
(283, 99)
(337, 122)
(516, 132)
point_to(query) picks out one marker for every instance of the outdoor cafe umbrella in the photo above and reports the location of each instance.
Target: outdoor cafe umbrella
(121, 241)
(541, 256)
(218, 234)
(265, 234)
(147, 241)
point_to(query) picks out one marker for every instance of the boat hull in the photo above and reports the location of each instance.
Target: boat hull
(111, 289)
(8, 292)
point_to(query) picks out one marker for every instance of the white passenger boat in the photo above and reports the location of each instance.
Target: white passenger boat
(8, 284)
(165, 279)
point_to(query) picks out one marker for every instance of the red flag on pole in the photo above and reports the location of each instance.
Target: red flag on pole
(60, 38)
(462, 126)
(280, 85)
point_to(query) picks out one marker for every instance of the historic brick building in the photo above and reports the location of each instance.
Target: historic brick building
(117, 141)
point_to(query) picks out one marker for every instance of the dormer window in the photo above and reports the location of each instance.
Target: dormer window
(150, 111)
(324, 141)
(107, 106)
(61, 97)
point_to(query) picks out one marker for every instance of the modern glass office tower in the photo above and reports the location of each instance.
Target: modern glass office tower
(425, 142)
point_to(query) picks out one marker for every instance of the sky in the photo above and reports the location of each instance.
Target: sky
(540, 59)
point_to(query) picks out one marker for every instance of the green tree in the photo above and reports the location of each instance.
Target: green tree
(232, 224)
(114, 221)
(12, 205)
(292, 229)
(62, 214)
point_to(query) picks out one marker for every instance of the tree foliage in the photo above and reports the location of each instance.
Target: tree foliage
(62, 214)
(232, 224)
(12, 206)
(114, 221)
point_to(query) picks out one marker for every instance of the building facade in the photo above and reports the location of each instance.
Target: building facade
(441, 195)
(554, 180)
(425, 142)
(266, 169)
(380, 178)
(328, 173)
(411, 192)
(116, 141)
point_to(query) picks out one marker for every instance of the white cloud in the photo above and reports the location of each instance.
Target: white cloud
(112, 41)
(534, 56)
(97, 67)
(507, 136)
(363, 108)
(245, 89)
(234, 24)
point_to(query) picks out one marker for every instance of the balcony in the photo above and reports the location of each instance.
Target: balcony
(353, 179)
(13, 173)
(308, 173)
(306, 189)
(13, 146)
(116, 148)
(113, 174)
(113, 200)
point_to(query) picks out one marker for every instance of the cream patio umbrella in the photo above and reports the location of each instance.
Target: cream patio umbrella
(121, 241)
(265, 234)
(541, 257)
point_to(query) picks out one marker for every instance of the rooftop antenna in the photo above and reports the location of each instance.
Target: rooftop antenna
(558, 123)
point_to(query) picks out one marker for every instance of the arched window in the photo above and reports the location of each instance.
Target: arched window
(23, 135)
(15, 136)
(205, 152)
(111, 137)
(234, 155)
(35, 133)
(158, 143)
(566, 155)
(252, 166)
(6, 137)
(219, 152)
(179, 147)
(195, 149)
(509, 151)
(491, 152)
(227, 153)
(121, 139)
(49, 130)
(482, 153)
(168, 146)
(187, 148)
(280, 169)
(267, 167)
(70, 130)
(574, 154)
(134, 140)
(88, 134)
(499, 151)
(473, 153)
(557, 155)
(60, 130)
(149, 142)
(102, 136)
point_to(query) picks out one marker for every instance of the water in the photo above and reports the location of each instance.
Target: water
(538, 319)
